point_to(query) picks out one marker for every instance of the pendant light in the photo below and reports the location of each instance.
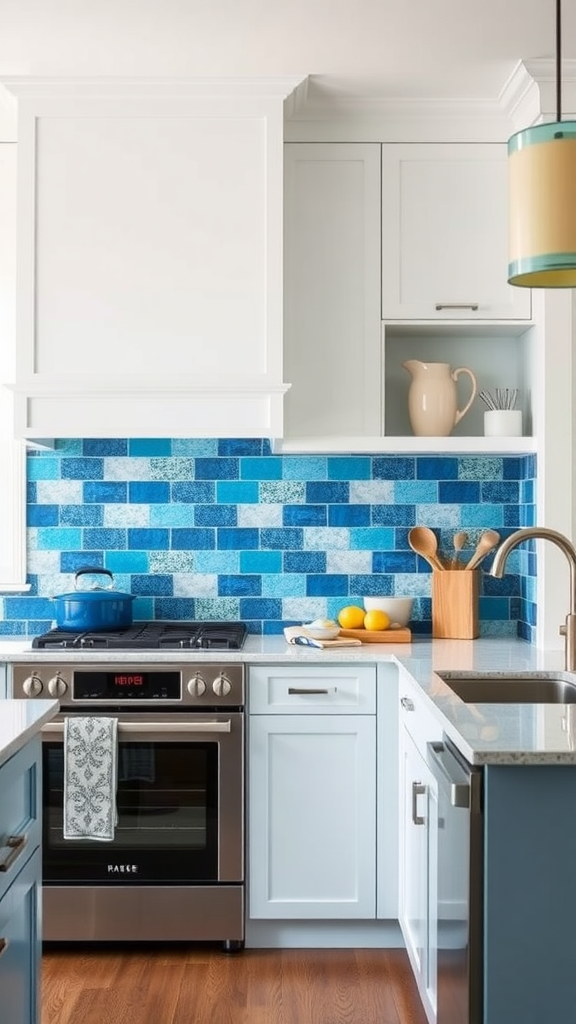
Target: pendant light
(542, 198)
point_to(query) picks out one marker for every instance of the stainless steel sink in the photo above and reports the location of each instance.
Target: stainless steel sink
(522, 689)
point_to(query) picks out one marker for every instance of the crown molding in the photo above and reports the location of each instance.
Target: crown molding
(529, 95)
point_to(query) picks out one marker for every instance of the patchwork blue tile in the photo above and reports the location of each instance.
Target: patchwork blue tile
(437, 467)
(261, 469)
(61, 538)
(485, 515)
(148, 491)
(283, 539)
(28, 607)
(304, 561)
(327, 491)
(374, 538)
(458, 492)
(480, 467)
(304, 515)
(193, 492)
(493, 608)
(393, 515)
(283, 491)
(239, 586)
(193, 447)
(304, 467)
(71, 561)
(284, 585)
(393, 468)
(349, 467)
(171, 515)
(152, 585)
(413, 492)
(239, 446)
(43, 469)
(148, 447)
(326, 585)
(31, 492)
(215, 515)
(513, 468)
(105, 446)
(214, 562)
(512, 517)
(372, 586)
(105, 491)
(81, 515)
(43, 515)
(127, 562)
(501, 491)
(82, 469)
(260, 608)
(394, 561)
(176, 608)
(192, 539)
(238, 538)
(217, 469)
(237, 493)
(348, 515)
(261, 561)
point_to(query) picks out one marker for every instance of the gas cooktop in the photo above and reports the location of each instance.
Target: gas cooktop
(175, 636)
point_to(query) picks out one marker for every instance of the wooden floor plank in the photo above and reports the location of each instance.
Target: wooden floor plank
(181, 986)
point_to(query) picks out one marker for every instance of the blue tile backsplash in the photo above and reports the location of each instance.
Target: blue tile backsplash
(223, 529)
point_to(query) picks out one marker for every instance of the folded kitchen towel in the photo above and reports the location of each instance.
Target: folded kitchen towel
(90, 777)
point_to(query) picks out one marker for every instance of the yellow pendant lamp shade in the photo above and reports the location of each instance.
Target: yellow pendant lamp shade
(542, 206)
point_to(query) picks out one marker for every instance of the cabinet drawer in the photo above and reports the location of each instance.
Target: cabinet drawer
(416, 716)
(331, 689)
(20, 945)
(19, 810)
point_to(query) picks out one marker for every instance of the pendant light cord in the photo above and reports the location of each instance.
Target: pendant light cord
(559, 59)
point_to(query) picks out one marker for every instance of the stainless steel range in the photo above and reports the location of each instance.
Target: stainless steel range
(175, 869)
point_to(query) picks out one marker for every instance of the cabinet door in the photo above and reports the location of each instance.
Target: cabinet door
(20, 943)
(418, 869)
(312, 809)
(332, 289)
(445, 234)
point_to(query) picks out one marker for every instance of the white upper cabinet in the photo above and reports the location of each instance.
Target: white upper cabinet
(150, 258)
(445, 234)
(332, 290)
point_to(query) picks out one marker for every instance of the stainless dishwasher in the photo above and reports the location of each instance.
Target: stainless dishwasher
(458, 886)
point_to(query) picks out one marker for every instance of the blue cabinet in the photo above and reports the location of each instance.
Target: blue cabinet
(20, 875)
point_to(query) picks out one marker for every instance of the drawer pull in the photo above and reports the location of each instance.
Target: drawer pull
(417, 790)
(456, 305)
(293, 690)
(3, 946)
(407, 704)
(12, 850)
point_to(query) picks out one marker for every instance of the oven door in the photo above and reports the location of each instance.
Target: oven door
(180, 803)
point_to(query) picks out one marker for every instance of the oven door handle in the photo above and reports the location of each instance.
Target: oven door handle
(159, 728)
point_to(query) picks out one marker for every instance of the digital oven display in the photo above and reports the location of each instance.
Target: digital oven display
(126, 685)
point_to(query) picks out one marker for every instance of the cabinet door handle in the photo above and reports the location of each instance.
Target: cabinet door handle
(14, 845)
(3, 946)
(302, 689)
(407, 704)
(417, 790)
(456, 305)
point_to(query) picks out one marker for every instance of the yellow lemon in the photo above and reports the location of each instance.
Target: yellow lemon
(376, 620)
(351, 617)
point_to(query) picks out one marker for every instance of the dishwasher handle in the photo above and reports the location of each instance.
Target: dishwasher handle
(450, 774)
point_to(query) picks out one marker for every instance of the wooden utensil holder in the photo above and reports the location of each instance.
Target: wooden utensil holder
(455, 604)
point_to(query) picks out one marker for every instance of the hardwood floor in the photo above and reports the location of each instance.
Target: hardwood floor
(183, 986)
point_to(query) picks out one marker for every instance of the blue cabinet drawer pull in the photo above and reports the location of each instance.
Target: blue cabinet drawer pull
(11, 852)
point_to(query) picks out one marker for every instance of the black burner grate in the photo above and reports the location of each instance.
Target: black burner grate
(177, 636)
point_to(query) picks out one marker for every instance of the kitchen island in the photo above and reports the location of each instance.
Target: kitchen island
(20, 869)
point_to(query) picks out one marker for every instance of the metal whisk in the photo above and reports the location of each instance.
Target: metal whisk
(501, 398)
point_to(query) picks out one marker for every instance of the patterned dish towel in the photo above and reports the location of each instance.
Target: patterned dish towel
(90, 778)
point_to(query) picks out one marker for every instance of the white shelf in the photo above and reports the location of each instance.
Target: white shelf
(408, 445)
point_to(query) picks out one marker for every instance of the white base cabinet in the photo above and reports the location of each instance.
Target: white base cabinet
(312, 792)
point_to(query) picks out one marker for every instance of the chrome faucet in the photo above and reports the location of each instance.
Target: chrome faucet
(568, 630)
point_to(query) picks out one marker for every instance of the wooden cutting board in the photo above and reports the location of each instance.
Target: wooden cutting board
(379, 636)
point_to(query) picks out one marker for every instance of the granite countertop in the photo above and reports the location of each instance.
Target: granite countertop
(485, 734)
(20, 721)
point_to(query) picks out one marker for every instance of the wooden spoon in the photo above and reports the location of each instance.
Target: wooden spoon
(488, 541)
(459, 541)
(423, 541)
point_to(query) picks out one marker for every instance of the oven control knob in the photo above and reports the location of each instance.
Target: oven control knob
(221, 685)
(197, 686)
(57, 686)
(32, 686)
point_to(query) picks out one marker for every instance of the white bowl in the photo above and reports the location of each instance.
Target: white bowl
(398, 608)
(322, 633)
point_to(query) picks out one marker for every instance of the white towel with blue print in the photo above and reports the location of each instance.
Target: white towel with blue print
(90, 777)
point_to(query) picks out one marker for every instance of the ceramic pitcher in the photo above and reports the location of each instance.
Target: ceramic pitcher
(433, 398)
